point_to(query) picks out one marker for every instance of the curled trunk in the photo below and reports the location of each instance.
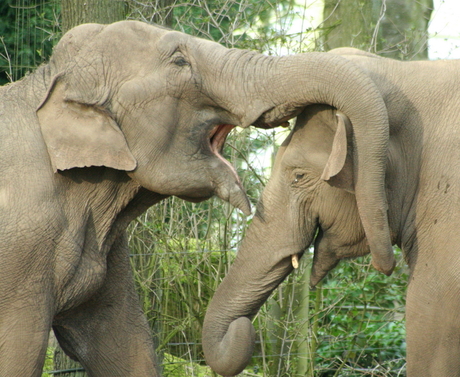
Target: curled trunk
(228, 334)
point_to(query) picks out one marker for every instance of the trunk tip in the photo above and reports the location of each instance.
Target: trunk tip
(246, 208)
(385, 265)
(233, 353)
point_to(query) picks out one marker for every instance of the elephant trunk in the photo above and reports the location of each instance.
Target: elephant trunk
(279, 88)
(261, 264)
(228, 334)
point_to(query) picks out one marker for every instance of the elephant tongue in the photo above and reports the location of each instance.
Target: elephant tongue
(218, 137)
(217, 141)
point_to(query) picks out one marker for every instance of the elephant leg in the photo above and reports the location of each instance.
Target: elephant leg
(24, 332)
(433, 322)
(109, 334)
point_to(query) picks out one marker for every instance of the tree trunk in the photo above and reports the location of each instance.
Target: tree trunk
(76, 12)
(403, 32)
(302, 344)
(349, 23)
(164, 14)
(392, 28)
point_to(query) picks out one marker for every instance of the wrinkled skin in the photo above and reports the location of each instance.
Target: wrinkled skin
(311, 199)
(123, 116)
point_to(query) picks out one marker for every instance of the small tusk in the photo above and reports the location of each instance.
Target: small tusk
(295, 261)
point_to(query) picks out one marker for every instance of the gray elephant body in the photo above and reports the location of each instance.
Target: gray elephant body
(121, 117)
(74, 174)
(311, 198)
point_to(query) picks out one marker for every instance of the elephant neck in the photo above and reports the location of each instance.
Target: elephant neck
(139, 203)
(110, 202)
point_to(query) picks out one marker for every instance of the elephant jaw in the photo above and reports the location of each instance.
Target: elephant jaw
(228, 188)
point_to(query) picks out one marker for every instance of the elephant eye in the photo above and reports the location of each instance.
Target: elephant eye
(180, 61)
(298, 177)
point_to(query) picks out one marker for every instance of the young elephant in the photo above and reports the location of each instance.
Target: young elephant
(312, 197)
(123, 116)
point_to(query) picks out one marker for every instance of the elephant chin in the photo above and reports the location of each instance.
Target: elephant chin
(194, 199)
(321, 269)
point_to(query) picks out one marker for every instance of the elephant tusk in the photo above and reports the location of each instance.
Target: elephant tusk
(295, 260)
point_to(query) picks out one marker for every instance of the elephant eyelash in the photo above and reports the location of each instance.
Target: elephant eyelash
(298, 177)
(180, 61)
(179, 58)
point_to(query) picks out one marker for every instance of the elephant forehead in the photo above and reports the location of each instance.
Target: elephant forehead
(115, 50)
(135, 30)
(123, 38)
(311, 161)
(173, 38)
(76, 39)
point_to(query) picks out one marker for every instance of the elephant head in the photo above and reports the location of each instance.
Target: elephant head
(159, 104)
(310, 198)
(137, 98)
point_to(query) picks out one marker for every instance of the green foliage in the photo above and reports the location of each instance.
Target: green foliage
(177, 271)
(28, 32)
(48, 361)
(362, 321)
(355, 324)
(177, 367)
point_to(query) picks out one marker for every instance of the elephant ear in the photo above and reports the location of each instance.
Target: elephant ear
(338, 171)
(80, 135)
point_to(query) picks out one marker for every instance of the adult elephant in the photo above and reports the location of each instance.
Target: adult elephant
(121, 117)
(312, 197)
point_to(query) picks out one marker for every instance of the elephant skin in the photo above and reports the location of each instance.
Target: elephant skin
(123, 116)
(311, 198)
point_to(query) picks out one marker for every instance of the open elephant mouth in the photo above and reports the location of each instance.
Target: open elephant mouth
(217, 138)
(224, 178)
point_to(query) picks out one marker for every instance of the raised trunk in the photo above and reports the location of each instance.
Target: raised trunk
(299, 80)
(278, 89)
